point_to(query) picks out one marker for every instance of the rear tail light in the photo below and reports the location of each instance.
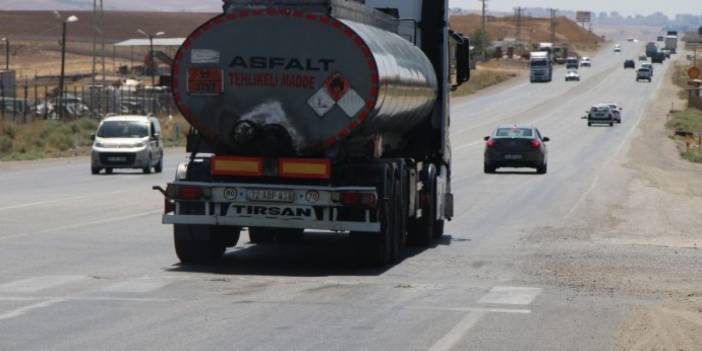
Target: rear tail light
(536, 143)
(491, 143)
(368, 200)
(186, 192)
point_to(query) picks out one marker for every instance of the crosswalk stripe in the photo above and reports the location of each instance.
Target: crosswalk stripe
(510, 295)
(136, 286)
(35, 284)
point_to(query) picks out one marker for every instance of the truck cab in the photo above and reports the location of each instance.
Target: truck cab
(540, 67)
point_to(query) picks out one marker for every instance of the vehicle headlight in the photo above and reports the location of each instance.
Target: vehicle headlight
(139, 145)
(99, 144)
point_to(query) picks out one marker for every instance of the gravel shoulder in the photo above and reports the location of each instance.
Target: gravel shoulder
(636, 235)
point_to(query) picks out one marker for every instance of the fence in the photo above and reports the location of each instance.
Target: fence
(34, 101)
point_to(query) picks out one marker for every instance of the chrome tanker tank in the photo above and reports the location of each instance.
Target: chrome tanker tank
(279, 80)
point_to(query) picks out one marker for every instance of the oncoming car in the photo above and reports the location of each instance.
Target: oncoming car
(132, 142)
(585, 62)
(516, 146)
(572, 76)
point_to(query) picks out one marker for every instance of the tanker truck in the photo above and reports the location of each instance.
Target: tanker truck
(318, 115)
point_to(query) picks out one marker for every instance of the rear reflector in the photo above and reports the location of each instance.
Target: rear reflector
(304, 168)
(237, 166)
(368, 200)
(189, 193)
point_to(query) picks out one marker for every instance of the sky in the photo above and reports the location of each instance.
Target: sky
(625, 7)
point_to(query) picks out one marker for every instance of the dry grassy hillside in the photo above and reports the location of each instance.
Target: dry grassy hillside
(533, 29)
(118, 25)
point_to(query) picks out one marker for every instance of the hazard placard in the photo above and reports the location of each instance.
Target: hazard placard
(337, 86)
(205, 81)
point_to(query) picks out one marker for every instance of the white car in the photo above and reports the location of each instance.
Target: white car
(617, 48)
(585, 62)
(132, 142)
(616, 110)
(572, 76)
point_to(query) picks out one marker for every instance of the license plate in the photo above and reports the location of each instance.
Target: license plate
(263, 195)
(117, 159)
(513, 157)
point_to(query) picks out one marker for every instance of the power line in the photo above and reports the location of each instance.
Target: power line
(518, 12)
(554, 24)
(482, 23)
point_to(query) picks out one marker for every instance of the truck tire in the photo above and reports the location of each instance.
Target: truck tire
(289, 235)
(376, 249)
(203, 244)
(261, 235)
(95, 170)
(159, 166)
(421, 230)
(108, 170)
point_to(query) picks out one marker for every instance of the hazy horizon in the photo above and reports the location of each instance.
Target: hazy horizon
(626, 7)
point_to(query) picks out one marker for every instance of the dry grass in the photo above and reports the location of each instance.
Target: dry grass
(48, 139)
(485, 77)
(534, 30)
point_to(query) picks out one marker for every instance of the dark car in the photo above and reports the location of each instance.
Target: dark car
(517, 147)
(629, 64)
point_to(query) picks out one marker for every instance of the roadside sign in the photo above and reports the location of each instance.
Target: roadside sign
(693, 72)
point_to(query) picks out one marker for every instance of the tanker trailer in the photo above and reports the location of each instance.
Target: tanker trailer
(316, 115)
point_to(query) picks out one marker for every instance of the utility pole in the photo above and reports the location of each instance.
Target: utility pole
(95, 34)
(64, 23)
(101, 11)
(482, 22)
(554, 24)
(7, 53)
(518, 12)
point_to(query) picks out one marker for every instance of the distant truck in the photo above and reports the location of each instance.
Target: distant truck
(651, 49)
(541, 67)
(547, 48)
(572, 63)
(671, 43)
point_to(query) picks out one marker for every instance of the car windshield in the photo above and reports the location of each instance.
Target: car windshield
(123, 129)
(514, 133)
(599, 109)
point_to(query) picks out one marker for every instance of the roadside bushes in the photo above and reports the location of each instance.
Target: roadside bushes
(42, 139)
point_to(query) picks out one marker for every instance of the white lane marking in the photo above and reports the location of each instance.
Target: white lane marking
(84, 224)
(472, 309)
(49, 202)
(625, 141)
(510, 295)
(23, 310)
(136, 286)
(84, 298)
(456, 334)
(50, 301)
(35, 284)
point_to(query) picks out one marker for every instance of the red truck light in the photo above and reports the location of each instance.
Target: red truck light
(368, 200)
(186, 192)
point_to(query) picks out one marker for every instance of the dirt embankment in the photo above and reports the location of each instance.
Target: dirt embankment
(534, 30)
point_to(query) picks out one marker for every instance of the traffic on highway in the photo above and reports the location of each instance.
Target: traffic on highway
(322, 182)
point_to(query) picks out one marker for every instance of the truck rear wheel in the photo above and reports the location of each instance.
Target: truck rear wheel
(203, 244)
(261, 235)
(421, 230)
(382, 249)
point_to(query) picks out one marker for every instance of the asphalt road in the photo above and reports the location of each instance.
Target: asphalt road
(87, 265)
